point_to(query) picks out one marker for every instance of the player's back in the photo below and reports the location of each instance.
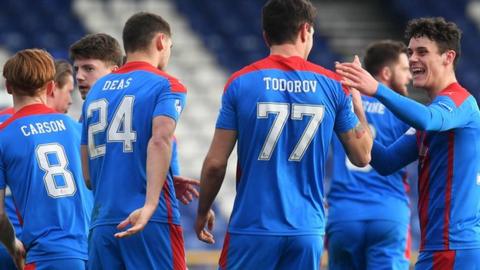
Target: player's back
(41, 165)
(117, 127)
(353, 188)
(284, 110)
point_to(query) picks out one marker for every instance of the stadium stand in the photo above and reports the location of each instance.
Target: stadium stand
(467, 69)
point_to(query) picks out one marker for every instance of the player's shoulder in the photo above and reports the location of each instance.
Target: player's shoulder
(454, 94)
(36, 109)
(286, 64)
(153, 74)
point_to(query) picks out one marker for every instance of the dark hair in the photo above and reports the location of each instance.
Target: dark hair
(382, 53)
(63, 69)
(98, 46)
(445, 34)
(141, 28)
(281, 19)
(28, 71)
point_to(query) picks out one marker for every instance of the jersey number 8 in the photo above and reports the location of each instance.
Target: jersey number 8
(59, 168)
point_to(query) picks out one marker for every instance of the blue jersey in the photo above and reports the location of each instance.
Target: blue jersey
(117, 126)
(362, 193)
(448, 151)
(9, 202)
(43, 171)
(284, 111)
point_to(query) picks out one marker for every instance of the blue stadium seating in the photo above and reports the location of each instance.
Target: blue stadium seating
(47, 24)
(232, 31)
(468, 69)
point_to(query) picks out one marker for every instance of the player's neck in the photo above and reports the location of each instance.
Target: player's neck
(22, 101)
(142, 57)
(441, 84)
(288, 50)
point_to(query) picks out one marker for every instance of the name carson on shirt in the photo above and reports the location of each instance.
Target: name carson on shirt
(43, 127)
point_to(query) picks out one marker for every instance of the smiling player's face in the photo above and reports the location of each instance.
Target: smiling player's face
(426, 62)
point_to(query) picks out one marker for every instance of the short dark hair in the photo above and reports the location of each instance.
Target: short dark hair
(28, 71)
(98, 46)
(445, 34)
(382, 53)
(141, 28)
(63, 69)
(281, 19)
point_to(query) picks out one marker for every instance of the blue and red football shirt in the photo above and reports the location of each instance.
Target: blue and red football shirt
(284, 111)
(9, 203)
(117, 126)
(448, 151)
(43, 171)
(362, 193)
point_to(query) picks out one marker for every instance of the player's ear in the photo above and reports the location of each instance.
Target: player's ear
(385, 73)
(50, 88)
(449, 57)
(305, 30)
(265, 38)
(9, 87)
(160, 41)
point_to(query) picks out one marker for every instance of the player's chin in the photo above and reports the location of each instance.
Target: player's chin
(84, 92)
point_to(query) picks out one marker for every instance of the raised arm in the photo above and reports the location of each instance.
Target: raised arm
(358, 140)
(213, 173)
(436, 117)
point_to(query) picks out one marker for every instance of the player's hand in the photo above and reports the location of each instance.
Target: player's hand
(355, 76)
(202, 233)
(19, 254)
(185, 189)
(138, 219)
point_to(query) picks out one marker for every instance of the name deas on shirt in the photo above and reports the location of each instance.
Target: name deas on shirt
(43, 127)
(117, 84)
(292, 86)
(373, 107)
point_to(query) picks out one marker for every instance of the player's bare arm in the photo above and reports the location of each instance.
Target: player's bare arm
(85, 168)
(159, 152)
(213, 173)
(7, 237)
(358, 140)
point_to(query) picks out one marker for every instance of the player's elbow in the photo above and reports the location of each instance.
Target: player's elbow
(214, 166)
(361, 160)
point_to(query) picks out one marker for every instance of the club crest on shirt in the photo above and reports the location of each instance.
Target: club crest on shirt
(178, 106)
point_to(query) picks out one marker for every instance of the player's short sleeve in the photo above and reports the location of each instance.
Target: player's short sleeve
(227, 117)
(345, 119)
(170, 102)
